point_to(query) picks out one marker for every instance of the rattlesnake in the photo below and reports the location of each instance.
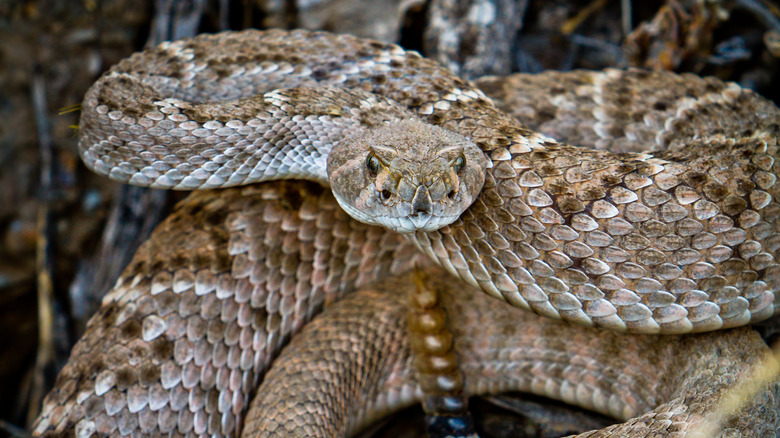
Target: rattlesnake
(683, 237)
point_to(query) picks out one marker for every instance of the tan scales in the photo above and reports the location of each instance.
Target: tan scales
(683, 237)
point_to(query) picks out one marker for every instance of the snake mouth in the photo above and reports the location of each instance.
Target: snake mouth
(420, 219)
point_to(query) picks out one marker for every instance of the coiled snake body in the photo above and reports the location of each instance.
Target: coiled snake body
(683, 237)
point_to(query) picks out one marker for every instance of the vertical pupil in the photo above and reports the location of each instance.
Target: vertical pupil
(459, 164)
(372, 164)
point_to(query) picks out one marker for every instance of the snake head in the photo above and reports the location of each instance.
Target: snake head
(406, 175)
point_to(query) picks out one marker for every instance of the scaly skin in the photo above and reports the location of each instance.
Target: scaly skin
(504, 349)
(684, 239)
(196, 318)
(179, 350)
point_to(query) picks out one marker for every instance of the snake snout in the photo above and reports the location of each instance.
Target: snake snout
(422, 207)
(421, 203)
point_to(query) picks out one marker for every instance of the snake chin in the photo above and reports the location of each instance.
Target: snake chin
(406, 175)
(411, 224)
(401, 224)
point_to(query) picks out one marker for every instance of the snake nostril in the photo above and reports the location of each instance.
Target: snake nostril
(451, 194)
(385, 194)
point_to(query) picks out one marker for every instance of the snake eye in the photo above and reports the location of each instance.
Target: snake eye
(373, 165)
(459, 164)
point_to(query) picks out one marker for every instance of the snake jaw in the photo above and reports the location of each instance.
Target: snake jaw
(406, 175)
